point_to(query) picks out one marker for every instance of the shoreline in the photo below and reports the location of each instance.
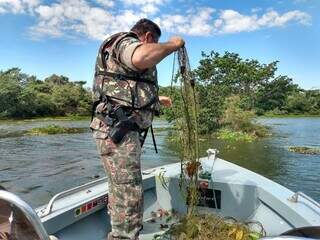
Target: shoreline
(161, 118)
(53, 118)
(290, 116)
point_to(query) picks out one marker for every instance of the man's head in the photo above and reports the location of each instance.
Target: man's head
(147, 31)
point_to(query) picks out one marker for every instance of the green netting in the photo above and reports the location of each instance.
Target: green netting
(194, 225)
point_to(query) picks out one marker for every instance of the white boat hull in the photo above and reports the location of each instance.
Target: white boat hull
(239, 193)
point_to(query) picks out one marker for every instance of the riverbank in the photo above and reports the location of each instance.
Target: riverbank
(50, 118)
(59, 118)
(289, 116)
(160, 118)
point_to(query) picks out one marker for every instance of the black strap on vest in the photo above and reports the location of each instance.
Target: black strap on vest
(107, 98)
(123, 77)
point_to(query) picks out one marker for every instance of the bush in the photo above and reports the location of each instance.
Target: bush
(239, 124)
(236, 118)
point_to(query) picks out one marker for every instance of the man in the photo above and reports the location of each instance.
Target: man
(126, 85)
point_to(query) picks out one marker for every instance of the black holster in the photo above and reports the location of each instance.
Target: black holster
(120, 121)
(125, 123)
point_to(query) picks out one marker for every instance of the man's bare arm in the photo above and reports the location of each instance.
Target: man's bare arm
(150, 54)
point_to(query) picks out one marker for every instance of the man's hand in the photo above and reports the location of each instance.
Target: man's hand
(177, 42)
(165, 101)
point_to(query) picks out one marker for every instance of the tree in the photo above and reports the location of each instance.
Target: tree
(57, 80)
(10, 89)
(221, 76)
(273, 94)
(23, 96)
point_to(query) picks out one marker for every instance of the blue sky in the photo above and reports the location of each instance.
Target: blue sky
(43, 37)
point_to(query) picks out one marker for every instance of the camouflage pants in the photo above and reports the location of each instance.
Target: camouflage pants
(122, 165)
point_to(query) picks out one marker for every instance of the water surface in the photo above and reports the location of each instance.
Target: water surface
(37, 167)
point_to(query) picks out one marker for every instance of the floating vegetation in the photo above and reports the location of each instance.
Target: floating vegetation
(212, 227)
(44, 119)
(162, 129)
(229, 135)
(53, 129)
(304, 150)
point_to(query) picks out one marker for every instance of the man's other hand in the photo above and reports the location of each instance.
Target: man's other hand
(165, 101)
(177, 42)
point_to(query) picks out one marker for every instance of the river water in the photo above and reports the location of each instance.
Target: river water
(38, 167)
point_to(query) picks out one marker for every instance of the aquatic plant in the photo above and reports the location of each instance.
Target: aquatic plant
(304, 150)
(53, 129)
(212, 227)
(230, 135)
(239, 124)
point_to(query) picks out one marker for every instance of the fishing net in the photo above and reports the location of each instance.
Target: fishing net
(212, 227)
(194, 225)
(188, 131)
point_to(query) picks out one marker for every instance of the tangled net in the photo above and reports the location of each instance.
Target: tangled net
(212, 227)
(193, 225)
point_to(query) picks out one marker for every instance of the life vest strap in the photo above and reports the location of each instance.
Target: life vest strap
(124, 77)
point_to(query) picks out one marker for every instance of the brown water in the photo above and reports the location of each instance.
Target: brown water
(37, 167)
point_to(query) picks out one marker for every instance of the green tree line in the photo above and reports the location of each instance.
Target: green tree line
(24, 96)
(232, 90)
(228, 87)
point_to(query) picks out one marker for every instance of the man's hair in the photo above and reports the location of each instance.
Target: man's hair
(145, 25)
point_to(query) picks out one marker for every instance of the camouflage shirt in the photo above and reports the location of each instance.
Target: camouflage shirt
(118, 59)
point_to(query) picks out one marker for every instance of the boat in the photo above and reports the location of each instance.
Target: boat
(230, 190)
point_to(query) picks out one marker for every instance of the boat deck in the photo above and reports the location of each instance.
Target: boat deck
(228, 190)
(155, 227)
(95, 225)
(242, 194)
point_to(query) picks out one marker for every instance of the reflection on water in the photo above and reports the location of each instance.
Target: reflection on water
(37, 167)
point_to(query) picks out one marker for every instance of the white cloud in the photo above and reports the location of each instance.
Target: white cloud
(147, 6)
(2, 10)
(143, 2)
(196, 23)
(106, 3)
(149, 9)
(231, 21)
(18, 6)
(72, 17)
(94, 19)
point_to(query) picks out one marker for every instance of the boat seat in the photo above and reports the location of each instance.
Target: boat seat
(18, 220)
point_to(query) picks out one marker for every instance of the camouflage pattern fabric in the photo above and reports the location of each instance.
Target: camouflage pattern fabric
(122, 165)
(117, 55)
(122, 161)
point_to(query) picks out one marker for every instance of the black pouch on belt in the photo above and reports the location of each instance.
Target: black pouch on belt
(123, 126)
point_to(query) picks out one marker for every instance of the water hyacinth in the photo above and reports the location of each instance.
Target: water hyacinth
(304, 150)
(53, 129)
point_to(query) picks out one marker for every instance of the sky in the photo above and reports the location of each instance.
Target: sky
(44, 37)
